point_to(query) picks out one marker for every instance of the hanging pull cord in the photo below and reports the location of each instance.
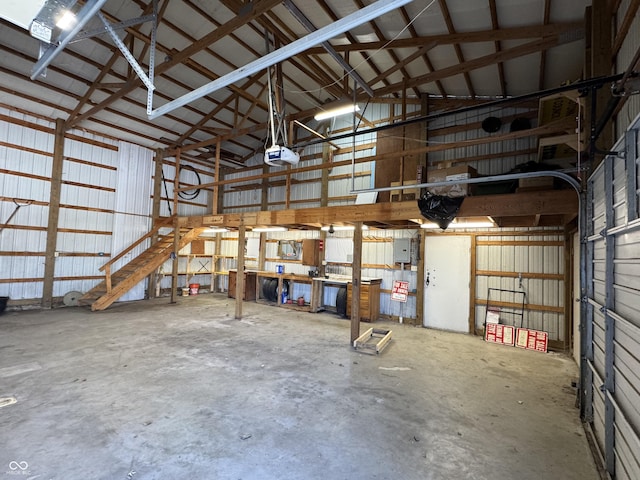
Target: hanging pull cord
(13, 214)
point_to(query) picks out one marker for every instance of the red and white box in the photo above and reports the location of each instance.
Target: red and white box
(498, 333)
(532, 339)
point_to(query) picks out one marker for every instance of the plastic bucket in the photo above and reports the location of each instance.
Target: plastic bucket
(185, 292)
(194, 288)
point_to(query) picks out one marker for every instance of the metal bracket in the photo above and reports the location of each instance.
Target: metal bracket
(127, 54)
(115, 26)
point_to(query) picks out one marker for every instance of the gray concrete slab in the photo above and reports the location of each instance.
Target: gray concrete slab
(147, 390)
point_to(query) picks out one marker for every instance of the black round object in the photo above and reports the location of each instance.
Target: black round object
(269, 286)
(273, 290)
(519, 124)
(3, 304)
(491, 124)
(341, 301)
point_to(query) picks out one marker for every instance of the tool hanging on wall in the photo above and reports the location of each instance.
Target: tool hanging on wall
(25, 203)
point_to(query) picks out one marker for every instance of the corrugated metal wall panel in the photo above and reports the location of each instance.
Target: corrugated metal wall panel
(619, 191)
(488, 166)
(631, 108)
(524, 259)
(30, 156)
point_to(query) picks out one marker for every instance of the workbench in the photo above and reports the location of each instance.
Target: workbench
(369, 295)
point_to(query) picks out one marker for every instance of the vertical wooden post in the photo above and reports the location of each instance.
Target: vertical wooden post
(601, 65)
(216, 176)
(216, 259)
(287, 200)
(472, 286)
(242, 230)
(176, 183)
(326, 158)
(263, 251)
(54, 214)
(264, 204)
(176, 231)
(175, 263)
(155, 214)
(356, 280)
(420, 280)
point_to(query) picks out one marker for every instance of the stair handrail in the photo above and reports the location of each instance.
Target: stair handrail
(165, 222)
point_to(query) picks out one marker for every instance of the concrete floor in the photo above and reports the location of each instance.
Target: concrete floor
(147, 390)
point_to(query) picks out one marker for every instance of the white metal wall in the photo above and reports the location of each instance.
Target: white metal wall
(493, 164)
(533, 262)
(105, 201)
(306, 186)
(611, 317)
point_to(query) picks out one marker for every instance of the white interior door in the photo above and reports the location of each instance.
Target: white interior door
(447, 275)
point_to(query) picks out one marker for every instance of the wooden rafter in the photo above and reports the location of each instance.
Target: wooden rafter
(502, 34)
(527, 48)
(498, 46)
(543, 55)
(181, 56)
(456, 46)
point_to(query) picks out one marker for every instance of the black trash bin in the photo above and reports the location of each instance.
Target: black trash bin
(3, 304)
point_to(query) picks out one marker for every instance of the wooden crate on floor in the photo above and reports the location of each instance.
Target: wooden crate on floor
(373, 340)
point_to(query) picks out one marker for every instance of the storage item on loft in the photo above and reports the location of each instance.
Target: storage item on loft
(451, 174)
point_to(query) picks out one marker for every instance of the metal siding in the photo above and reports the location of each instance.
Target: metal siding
(614, 302)
(524, 259)
(631, 108)
(619, 191)
(15, 186)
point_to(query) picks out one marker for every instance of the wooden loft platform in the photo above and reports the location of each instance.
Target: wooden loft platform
(524, 209)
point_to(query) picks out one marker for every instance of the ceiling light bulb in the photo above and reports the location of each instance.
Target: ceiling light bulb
(66, 21)
(270, 229)
(334, 112)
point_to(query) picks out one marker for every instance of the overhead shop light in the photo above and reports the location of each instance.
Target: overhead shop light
(269, 229)
(54, 17)
(343, 228)
(459, 224)
(335, 109)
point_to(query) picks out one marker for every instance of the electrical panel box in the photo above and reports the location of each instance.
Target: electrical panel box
(402, 250)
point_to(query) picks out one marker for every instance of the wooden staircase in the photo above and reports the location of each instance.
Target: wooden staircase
(121, 281)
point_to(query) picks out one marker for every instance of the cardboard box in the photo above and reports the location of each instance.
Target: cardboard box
(404, 195)
(461, 172)
(541, 183)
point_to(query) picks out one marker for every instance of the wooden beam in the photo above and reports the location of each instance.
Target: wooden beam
(240, 271)
(461, 68)
(54, 214)
(155, 213)
(601, 40)
(356, 279)
(551, 202)
(473, 284)
(253, 11)
(494, 35)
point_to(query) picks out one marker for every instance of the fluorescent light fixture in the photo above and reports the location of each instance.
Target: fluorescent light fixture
(458, 225)
(341, 109)
(216, 230)
(338, 228)
(270, 229)
(66, 21)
